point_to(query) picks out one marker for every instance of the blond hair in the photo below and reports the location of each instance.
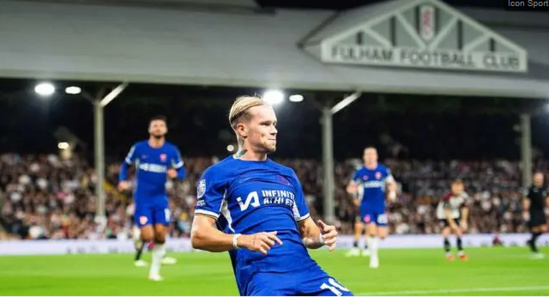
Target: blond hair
(240, 108)
(458, 182)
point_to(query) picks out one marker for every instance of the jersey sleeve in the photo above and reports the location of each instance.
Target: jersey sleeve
(300, 208)
(128, 161)
(526, 193)
(446, 201)
(209, 194)
(132, 155)
(178, 164)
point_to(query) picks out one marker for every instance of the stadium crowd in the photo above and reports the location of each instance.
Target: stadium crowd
(47, 197)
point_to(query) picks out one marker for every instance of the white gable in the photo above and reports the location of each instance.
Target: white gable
(423, 34)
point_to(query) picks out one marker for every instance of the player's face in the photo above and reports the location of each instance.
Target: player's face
(457, 189)
(261, 129)
(538, 179)
(157, 128)
(370, 156)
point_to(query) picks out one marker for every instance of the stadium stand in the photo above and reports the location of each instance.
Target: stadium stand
(45, 197)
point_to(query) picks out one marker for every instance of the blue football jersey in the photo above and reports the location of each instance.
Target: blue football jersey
(151, 166)
(257, 196)
(371, 184)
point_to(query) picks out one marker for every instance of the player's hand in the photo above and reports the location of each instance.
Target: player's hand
(259, 242)
(352, 189)
(328, 233)
(172, 173)
(356, 202)
(526, 216)
(392, 196)
(463, 226)
(123, 186)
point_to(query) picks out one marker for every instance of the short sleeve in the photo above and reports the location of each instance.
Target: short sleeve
(446, 201)
(209, 194)
(525, 192)
(300, 209)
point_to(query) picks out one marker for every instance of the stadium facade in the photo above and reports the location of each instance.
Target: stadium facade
(419, 46)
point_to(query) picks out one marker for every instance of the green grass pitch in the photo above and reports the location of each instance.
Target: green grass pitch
(489, 271)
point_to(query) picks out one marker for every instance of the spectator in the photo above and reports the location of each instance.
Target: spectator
(45, 197)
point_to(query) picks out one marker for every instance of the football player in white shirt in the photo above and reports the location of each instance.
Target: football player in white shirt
(453, 213)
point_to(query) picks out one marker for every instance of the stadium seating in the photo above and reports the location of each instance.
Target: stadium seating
(44, 197)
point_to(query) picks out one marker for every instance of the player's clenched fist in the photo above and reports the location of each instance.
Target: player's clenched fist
(123, 186)
(172, 173)
(259, 242)
(328, 234)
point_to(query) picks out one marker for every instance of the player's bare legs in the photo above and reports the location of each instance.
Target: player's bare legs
(382, 232)
(364, 248)
(159, 250)
(458, 231)
(147, 233)
(356, 250)
(139, 245)
(165, 260)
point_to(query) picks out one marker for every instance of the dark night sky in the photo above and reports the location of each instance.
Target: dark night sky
(434, 127)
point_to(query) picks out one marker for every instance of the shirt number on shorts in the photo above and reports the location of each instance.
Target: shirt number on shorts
(334, 287)
(167, 213)
(382, 219)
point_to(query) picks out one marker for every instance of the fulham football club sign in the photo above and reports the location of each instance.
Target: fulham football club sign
(424, 34)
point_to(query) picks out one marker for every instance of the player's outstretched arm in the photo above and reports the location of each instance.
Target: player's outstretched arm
(206, 236)
(317, 235)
